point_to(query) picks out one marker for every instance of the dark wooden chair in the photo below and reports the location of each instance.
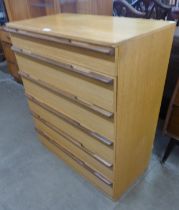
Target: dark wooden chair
(171, 127)
(156, 10)
(141, 9)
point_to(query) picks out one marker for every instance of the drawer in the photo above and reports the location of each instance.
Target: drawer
(76, 164)
(9, 54)
(173, 124)
(63, 140)
(5, 37)
(65, 53)
(96, 148)
(94, 94)
(94, 122)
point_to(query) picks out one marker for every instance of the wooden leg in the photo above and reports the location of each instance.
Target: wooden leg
(168, 150)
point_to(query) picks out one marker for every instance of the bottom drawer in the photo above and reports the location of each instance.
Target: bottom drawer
(77, 165)
(99, 149)
(61, 140)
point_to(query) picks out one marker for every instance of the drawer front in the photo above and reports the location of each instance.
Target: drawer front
(9, 54)
(77, 165)
(89, 119)
(75, 150)
(94, 94)
(96, 61)
(5, 37)
(98, 149)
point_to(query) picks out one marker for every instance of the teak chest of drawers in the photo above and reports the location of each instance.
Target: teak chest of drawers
(94, 86)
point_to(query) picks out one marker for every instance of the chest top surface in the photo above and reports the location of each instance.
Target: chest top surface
(110, 31)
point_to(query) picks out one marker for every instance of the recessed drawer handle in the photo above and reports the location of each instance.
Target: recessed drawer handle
(57, 91)
(80, 162)
(81, 71)
(71, 139)
(96, 48)
(70, 121)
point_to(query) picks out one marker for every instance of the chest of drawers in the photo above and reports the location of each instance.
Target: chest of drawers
(94, 86)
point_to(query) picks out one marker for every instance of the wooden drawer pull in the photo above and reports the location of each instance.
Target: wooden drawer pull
(57, 91)
(70, 121)
(96, 48)
(72, 68)
(71, 139)
(80, 162)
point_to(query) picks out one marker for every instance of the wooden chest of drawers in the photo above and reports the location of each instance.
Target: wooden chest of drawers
(94, 86)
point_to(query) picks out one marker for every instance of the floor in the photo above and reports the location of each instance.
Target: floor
(32, 178)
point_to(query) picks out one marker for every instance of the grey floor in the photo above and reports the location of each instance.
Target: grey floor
(31, 178)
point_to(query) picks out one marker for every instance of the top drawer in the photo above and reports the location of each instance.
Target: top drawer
(91, 57)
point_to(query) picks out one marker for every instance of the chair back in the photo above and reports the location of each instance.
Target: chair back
(142, 9)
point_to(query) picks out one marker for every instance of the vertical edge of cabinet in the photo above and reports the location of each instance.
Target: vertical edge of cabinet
(117, 57)
(8, 9)
(57, 6)
(98, 7)
(17, 11)
(142, 71)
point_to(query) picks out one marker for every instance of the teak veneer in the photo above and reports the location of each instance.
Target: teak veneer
(94, 85)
